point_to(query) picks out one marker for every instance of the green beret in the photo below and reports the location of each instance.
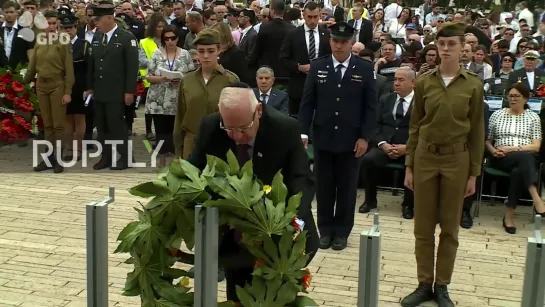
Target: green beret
(50, 14)
(207, 37)
(451, 29)
(30, 2)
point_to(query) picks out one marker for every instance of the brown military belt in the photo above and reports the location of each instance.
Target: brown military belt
(447, 149)
(50, 79)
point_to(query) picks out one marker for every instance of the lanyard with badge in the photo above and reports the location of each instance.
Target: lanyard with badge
(170, 65)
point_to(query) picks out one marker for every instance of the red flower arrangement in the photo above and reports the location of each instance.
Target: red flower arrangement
(540, 92)
(140, 88)
(18, 103)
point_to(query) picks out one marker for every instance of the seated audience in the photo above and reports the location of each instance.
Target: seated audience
(514, 141)
(266, 94)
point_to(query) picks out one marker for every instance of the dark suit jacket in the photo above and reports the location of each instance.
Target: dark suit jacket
(496, 62)
(270, 38)
(19, 48)
(248, 44)
(338, 14)
(387, 128)
(234, 60)
(278, 99)
(520, 74)
(383, 86)
(294, 52)
(277, 147)
(366, 30)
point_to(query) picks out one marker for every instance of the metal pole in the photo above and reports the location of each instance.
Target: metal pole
(97, 251)
(369, 267)
(534, 271)
(206, 256)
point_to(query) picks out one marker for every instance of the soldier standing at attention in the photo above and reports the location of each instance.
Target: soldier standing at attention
(111, 79)
(52, 61)
(444, 154)
(340, 93)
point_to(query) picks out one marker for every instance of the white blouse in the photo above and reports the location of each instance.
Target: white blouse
(514, 130)
(396, 30)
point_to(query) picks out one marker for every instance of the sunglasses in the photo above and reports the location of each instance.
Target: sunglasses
(507, 60)
(170, 38)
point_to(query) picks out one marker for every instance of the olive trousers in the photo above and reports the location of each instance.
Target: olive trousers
(189, 144)
(439, 177)
(50, 92)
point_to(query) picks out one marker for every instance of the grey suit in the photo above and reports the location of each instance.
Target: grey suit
(278, 99)
(476, 68)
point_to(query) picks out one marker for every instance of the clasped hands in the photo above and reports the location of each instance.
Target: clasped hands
(500, 152)
(393, 151)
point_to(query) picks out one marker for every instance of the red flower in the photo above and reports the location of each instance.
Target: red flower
(258, 263)
(295, 224)
(23, 105)
(307, 279)
(2, 86)
(541, 91)
(21, 121)
(18, 87)
(10, 95)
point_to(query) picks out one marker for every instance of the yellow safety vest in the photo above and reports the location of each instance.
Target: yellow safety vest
(149, 46)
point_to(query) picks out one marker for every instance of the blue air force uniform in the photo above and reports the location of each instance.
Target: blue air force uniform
(342, 106)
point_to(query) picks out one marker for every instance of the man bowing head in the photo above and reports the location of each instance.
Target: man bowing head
(273, 141)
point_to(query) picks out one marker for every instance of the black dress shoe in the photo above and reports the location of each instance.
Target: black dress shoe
(466, 220)
(57, 168)
(441, 296)
(407, 212)
(102, 164)
(325, 242)
(42, 167)
(509, 229)
(423, 293)
(339, 244)
(367, 207)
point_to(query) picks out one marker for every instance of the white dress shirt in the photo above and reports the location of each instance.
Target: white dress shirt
(89, 34)
(8, 38)
(244, 32)
(110, 33)
(391, 12)
(266, 100)
(531, 78)
(316, 38)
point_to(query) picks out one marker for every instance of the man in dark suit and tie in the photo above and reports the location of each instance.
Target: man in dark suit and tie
(302, 45)
(337, 11)
(364, 27)
(392, 132)
(273, 142)
(270, 38)
(530, 75)
(14, 50)
(266, 94)
(340, 98)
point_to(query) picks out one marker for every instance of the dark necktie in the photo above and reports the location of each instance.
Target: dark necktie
(311, 45)
(8, 29)
(339, 72)
(264, 98)
(399, 110)
(242, 153)
(104, 39)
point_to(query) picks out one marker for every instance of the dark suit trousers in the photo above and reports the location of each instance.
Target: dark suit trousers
(376, 159)
(89, 120)
(130, 114)
(337, 183)
(294, 106)
(111, 125)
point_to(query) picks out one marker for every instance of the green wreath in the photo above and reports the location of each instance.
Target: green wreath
(269, 225)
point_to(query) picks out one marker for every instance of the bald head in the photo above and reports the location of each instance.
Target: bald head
(240, 112)
(357, 48)
(126, 8)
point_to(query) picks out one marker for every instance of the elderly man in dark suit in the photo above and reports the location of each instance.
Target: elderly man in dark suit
(391, 134)
(266, 94)
(256, 131)
(530, 75)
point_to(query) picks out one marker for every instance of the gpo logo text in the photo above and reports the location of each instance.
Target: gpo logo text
(39, 21)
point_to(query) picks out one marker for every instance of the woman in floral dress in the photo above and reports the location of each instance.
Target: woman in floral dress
(162, 97)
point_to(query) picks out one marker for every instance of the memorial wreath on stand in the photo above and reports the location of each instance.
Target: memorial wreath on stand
(18, 106)
(263, 214)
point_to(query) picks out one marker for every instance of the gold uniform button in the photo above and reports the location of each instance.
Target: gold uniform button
(336, 113)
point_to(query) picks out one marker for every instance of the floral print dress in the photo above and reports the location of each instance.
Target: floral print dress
(162, 98)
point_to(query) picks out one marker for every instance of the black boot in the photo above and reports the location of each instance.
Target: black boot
(42, 166)
(103, 163)
(57, 167)
(466, 220)
(423, 293)
(441, 296)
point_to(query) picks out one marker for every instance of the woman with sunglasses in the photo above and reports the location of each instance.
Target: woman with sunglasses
(507, 63)
(162, 97)
(524, 47)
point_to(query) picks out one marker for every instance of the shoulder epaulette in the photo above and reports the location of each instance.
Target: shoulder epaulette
(228, 72)
(427, 72)
(472, 73)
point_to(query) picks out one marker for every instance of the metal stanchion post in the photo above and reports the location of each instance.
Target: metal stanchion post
(97, 251)
(369, 268)
(206, 256)
(534, 271)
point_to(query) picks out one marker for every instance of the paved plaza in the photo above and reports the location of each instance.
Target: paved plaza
(43, 255)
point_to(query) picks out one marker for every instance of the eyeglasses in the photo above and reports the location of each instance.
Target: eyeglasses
(170, 38)
(514, 96)
(507, 60)
(239, 129)
(440, 21)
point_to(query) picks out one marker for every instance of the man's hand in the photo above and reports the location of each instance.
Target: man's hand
(409, 178)
(305, 142)
(129, 99)
(385, 147)
(470, 186)
(304, 68)
(360, 148)
(87, 93)
(397, 151)
(66, 99)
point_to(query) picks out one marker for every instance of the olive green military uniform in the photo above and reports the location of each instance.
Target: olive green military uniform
(196, 100)
(445, 147)
(54, 66)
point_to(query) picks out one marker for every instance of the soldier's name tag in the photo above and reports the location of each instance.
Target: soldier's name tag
(95, 43)
(134, 26)
(322, 71)
(133, 42)
(117, 45)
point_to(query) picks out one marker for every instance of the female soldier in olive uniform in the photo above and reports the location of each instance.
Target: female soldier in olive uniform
(444, 155)
(200, 92)
(52, 61)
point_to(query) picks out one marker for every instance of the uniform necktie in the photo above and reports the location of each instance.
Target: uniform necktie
(311, 45)
(399, 110)
(242, 153)
(9, 29)
(104, 39)
(264, 98)
(339, 72)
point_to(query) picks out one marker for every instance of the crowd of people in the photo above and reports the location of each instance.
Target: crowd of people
(355, 78)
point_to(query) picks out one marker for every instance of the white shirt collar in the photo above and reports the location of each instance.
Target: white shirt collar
(246, 30)
(15, 25)
(74, 39)
(345, 63)
(407, 98)
(92, 31)
(308, 29)
(111, 32)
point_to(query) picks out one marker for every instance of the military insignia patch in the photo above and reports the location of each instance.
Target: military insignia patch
(133, 42)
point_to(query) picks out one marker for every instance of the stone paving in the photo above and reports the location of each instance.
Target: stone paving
(43, 255)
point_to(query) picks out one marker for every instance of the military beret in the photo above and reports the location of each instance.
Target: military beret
(30, 2)
(206, 37)
(50, 14)
(68, 21)
(342, 30)
(104, 8)
(451, 29)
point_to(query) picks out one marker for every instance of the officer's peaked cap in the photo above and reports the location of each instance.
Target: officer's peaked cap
(104, 8)
(342, 30)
